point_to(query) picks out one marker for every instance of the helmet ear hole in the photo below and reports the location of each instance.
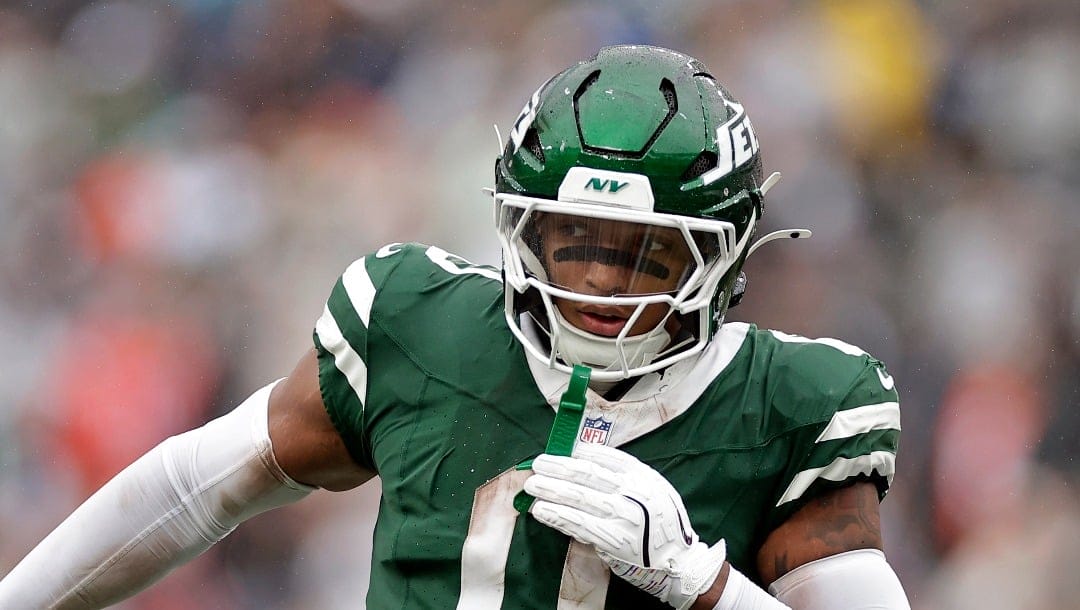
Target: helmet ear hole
(531, 143)
(738, 290)
(701, 164)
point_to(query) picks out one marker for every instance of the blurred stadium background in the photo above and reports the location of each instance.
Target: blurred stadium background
(181, 182)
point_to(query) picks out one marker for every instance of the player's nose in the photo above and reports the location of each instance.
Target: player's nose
(606, 278)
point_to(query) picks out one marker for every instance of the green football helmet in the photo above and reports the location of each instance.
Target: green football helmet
(625, 201)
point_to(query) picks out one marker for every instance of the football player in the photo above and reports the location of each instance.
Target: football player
(579, 429)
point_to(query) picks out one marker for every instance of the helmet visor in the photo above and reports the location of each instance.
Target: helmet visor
(588, 250)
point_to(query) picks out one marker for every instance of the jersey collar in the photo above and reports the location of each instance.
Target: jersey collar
(658, 397)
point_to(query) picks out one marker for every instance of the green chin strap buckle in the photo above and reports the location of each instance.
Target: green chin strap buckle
(565, 428)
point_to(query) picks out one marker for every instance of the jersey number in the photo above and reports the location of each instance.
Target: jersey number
(487, 546)
(459, 266)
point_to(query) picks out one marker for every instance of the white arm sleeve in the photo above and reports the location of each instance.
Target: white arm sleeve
(855, 580)
(166, 508)
(742, 594)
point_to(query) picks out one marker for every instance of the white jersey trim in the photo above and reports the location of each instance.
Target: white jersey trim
(360, 289)
(345, 357)
(837, 344)
(860, 420)
(841, 468)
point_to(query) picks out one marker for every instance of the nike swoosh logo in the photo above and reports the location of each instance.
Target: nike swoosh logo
(687, 538)
(644, 533)
(886, 380)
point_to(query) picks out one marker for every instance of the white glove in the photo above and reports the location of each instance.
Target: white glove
(636, 520)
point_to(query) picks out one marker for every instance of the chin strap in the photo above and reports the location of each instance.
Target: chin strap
(576, 346)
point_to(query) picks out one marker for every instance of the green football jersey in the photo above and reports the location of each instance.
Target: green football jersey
(429, 388)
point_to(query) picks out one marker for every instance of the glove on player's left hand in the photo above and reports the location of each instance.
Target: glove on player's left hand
(632, 515)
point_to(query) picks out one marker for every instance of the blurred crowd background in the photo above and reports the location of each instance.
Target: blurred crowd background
(181, 182)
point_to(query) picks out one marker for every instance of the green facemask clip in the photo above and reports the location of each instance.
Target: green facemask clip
(565, 428)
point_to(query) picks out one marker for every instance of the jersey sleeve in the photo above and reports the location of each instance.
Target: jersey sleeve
(341, 342)
(858, 441)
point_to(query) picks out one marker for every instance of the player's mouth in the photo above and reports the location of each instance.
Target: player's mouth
(605, 322)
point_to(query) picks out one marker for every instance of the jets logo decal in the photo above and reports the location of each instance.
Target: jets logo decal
(736, 143)
(526, 117)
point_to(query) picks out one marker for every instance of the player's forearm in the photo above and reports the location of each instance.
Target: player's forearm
(853, 580)
(709, 599)
(109, 548)
(733, 591)
(166, 508)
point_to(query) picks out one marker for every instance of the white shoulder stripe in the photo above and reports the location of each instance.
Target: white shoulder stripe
(844, 424)
(345, 357)
(847, 348)
(841, 468)
(360, 289)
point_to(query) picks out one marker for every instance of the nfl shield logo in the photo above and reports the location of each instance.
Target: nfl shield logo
(595, 430)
